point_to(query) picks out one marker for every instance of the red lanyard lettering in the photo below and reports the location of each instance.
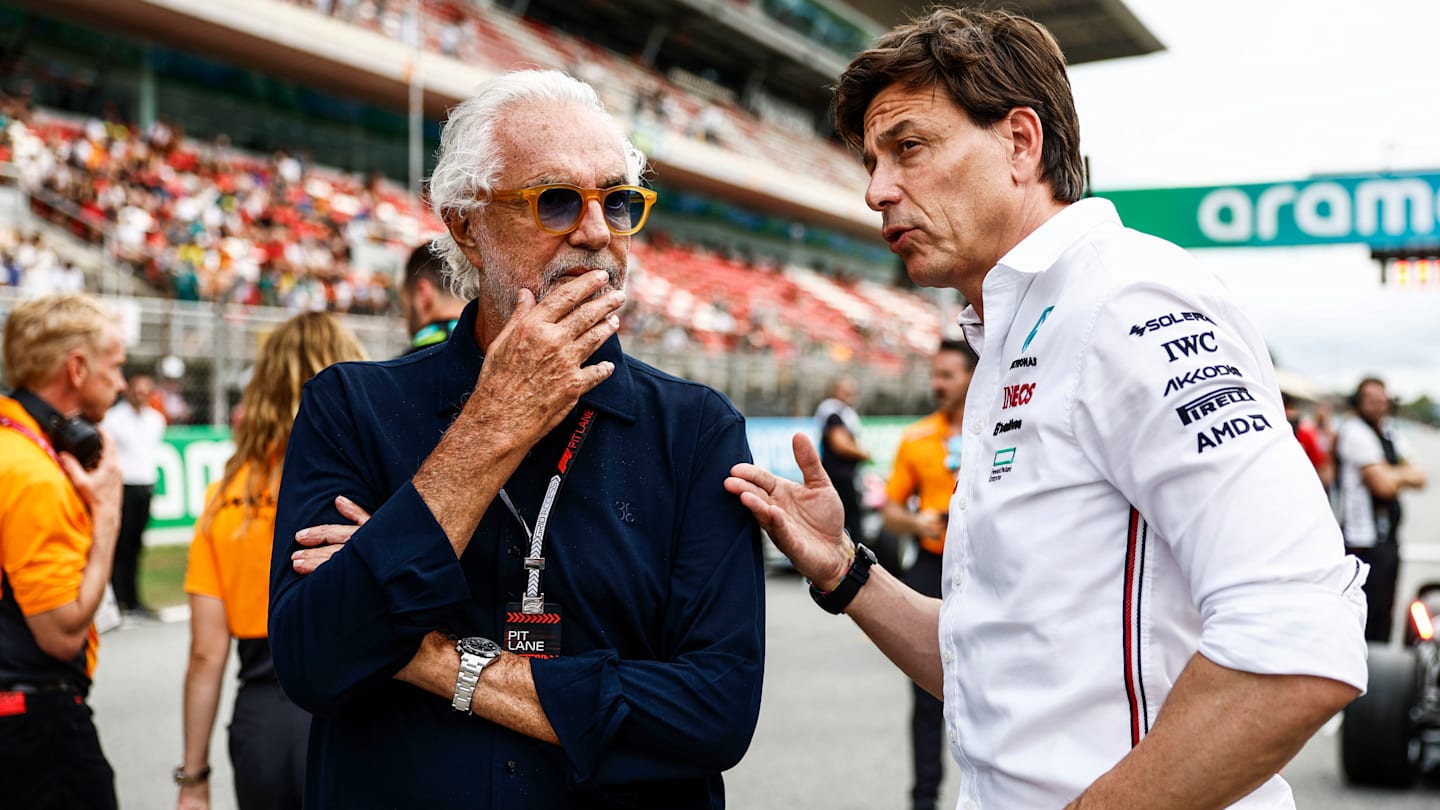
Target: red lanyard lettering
(534, 600)
(6, 421)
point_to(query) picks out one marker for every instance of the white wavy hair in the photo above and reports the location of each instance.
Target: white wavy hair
(468, 162)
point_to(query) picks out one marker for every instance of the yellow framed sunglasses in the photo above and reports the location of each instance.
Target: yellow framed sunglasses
(558, 207)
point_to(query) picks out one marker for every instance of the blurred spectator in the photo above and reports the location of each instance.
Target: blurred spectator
(138, 430)
(925, 469)
(1311, 439)
(173, 405)
(228, 582)
(63, 357)
(67, 278)
(1374, 470)
(431, 310)
(840, 450)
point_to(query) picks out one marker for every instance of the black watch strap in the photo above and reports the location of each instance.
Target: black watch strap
(837, 600)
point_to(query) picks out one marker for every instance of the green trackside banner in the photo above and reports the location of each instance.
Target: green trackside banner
(770, 441)
(1387, 211)
(190, 459)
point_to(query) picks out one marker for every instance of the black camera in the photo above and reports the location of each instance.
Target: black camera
(77, 435)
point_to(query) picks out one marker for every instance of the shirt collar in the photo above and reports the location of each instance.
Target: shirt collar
(463, 361)
(12, 409)
(1040, 250)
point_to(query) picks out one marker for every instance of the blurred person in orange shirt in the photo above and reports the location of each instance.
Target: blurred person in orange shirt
(228, 580)
(60, 498)
(925, 466)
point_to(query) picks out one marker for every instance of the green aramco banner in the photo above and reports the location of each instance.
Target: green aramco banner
(1383, 211)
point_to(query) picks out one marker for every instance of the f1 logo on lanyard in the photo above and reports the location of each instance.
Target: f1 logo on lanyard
(532, 625)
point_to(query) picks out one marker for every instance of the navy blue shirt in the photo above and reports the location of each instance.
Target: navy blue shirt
(657, 570)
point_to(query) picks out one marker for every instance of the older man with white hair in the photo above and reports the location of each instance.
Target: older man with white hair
(549, 601)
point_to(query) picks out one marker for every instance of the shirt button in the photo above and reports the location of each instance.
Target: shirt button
(969, 805)
(947, 657)
(962, 502)
(516, 550)
(952, 735)
(958, 580)
(975, 428)
(511, 767)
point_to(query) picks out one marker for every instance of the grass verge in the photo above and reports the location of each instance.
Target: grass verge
(162, 575)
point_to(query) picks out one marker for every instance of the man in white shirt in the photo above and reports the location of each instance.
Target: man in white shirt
(138, 430)
(1374, 470)
(1145, 602)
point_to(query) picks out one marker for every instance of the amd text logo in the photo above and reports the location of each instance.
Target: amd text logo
(1231, 429)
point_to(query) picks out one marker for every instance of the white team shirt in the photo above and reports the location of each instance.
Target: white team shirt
(137, 435)
(1129, 493)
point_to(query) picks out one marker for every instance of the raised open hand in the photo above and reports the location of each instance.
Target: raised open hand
(806, 521)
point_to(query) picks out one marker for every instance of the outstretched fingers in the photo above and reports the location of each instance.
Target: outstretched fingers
(809, 460)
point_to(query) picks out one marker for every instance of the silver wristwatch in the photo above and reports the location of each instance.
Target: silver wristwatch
(475, 654)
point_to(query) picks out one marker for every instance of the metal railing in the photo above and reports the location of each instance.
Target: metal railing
(217, 343)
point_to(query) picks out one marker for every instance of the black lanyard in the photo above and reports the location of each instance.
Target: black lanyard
(534, 600)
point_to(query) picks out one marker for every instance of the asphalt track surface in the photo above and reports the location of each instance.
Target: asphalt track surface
(833, 724)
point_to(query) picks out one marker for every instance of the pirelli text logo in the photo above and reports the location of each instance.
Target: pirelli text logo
(1212, 402)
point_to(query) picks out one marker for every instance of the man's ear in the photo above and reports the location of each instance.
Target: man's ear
(424, 293)
(458, 225)
(1026, 137)
(77, 368)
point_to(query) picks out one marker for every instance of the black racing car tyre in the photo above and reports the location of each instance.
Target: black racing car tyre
(1377, 735)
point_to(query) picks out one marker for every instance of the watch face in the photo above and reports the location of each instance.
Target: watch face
(863, 550)
(483, 647)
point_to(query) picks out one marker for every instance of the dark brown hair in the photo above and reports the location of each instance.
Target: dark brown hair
(990, 62)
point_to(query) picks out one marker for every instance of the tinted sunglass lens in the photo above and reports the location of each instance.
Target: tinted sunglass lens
(624, 208)
(558, 208)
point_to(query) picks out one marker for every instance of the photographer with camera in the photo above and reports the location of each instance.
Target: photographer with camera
(60, 496)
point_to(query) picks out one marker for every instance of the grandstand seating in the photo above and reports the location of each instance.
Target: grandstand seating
(201, 220)
(220, 221)
(498, 39)
(726, 305)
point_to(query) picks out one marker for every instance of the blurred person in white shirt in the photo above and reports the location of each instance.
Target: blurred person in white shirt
(1375, 467)
(138, 430)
